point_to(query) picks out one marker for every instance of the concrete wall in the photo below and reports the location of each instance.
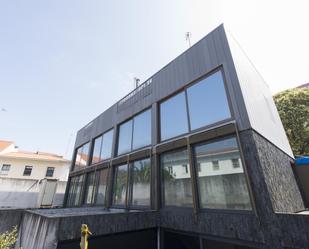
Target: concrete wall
(9, 219)
(18, 193)
(44, 228)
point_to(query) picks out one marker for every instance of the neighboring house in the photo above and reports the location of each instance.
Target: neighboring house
(21, 173)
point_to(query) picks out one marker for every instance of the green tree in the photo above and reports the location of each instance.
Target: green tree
(8, 239)
(293, 108)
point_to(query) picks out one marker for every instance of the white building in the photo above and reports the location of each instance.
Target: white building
(21, 173)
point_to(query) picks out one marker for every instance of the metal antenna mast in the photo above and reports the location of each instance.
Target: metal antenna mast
(136, 82)
(188, 36)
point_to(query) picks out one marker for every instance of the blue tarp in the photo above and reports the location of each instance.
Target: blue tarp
(302, 161)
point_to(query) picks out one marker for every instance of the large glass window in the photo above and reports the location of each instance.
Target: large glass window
(207, 101)
(177, 179)
(125, 137)
(221, 178)
(173, 117)
(142, 130)
(75, 191)
(96, 154)
(107, 145)
(135, 133)
(102, 183)
(89, 193)
(70, 197)
(102, 147)
(81, 158)
(141, 182)
(207, 104)
(120, 185)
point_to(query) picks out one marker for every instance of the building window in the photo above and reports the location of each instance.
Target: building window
(135, 133)
(235, 163)
(5, 169)
(50, 171)
(89, 192)
(138, 184)
(101, 189)
(177, 186)
(120, 185)
(96, 154)
(107, 145)
(81, 158)
(142, 130)
(141, 172)
(102, 147)
(215, 165)
(75, 191)
(226, 187)
(173, 117)
(27, 170)
(207, 104)
(207, 101)
(125, 137)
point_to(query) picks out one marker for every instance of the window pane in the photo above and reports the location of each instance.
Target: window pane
(50, 171)
(84, 155)
(107, 145)
(221, 184)
(125, 137)
(75, 190)
(207, 101)
(5, 169)
(78, 157)
(142, 130)
(89, 188)
(120, 185)
(71, 192)
(81, 158)
(97, 150)
(173, 116)
(177, 179)
(102, 174)
(141, 182)
(27, 170)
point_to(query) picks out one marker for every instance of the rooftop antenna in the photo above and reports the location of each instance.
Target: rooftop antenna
(188, 36)
(68, 145)
(136, 82)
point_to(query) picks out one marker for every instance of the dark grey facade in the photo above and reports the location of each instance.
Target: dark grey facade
(195, 157)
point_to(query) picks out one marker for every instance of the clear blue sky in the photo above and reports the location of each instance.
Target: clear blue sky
(63, 62)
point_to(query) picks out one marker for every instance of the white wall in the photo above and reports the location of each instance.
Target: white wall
(38, 171)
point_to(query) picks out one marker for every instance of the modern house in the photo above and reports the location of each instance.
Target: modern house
(22, 171)
(195, 157)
